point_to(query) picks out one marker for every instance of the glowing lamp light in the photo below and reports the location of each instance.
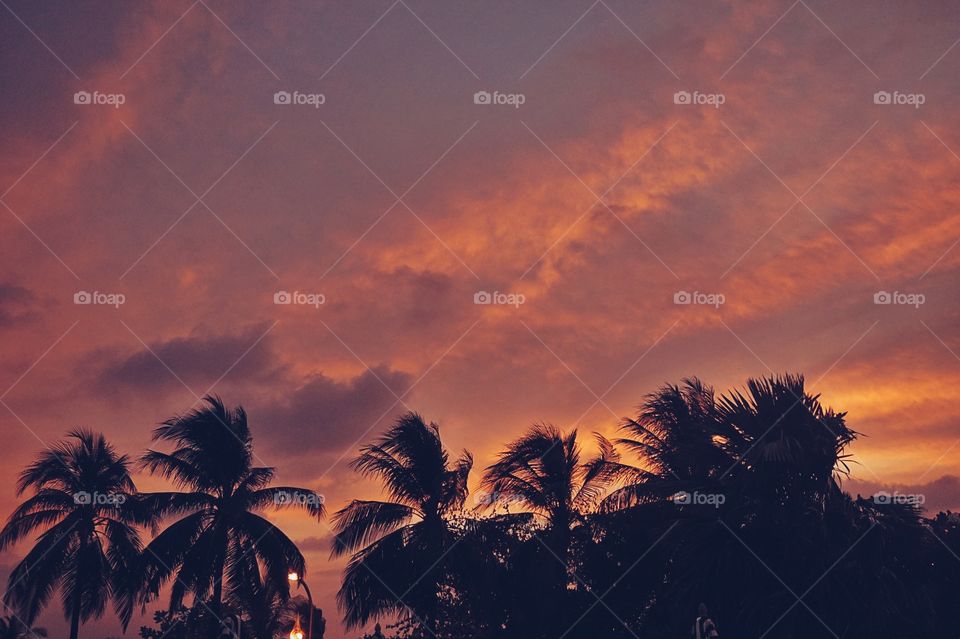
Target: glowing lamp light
(293, 576)
(297, 632)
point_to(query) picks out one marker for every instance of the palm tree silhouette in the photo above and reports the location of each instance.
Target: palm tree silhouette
(401, 546)
(543, 474)
(773, 443)
(786, 444)
(221, 537)
(676, 434)
(84, 502)
(12, 628)
(772, 452)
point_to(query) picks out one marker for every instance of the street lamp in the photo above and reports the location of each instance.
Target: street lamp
(297, 632)
(294, 577)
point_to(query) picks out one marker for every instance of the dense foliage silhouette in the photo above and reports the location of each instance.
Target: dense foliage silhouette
(13, 628)
(735, 500)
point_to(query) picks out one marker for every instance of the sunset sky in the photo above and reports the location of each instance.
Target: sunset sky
(399, 198)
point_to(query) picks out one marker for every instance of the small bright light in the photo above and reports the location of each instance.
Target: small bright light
(293, 576)
(297, 632)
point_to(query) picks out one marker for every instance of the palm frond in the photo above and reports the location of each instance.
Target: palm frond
(361, 522)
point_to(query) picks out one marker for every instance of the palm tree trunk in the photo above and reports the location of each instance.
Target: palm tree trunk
(216, 599)
(75, 615)
(76, 604)
(560, 541)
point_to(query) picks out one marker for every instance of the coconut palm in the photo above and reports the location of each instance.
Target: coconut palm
(221, 535)
(84, 508)
(401, 548)
(541, 475)
(13, 628)
(676, 435)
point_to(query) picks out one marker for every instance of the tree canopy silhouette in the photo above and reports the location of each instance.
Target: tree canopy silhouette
(400, 547)
(83, 502)
(220, 539)
(734, 499)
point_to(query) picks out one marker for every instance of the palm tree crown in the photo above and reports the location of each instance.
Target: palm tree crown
(542, 472)
(399, 544)
(221, 535)
(83, 501)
